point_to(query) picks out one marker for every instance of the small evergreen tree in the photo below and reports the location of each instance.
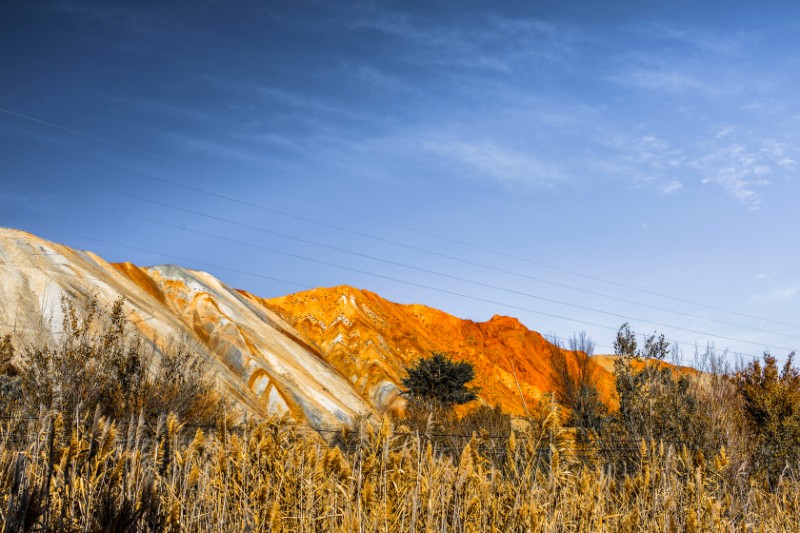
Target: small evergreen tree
(440, 381)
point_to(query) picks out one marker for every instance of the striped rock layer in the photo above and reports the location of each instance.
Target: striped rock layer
(327, 355)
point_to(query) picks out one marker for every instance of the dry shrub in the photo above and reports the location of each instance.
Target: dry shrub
(771, 407)
(575, 385)
(99, 472)
(98, 361)
(277, 476)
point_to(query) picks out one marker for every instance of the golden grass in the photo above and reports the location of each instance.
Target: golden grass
(278, 476)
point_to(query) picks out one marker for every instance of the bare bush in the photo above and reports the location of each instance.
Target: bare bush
(99, 362)
(575, 384)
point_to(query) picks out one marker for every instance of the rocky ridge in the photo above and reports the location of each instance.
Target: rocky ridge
(371, 340)
(327, 355)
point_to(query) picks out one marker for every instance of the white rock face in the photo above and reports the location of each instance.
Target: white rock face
(261, 361)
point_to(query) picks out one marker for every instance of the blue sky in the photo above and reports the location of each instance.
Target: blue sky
(651, 144)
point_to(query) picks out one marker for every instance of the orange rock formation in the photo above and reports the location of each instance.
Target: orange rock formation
(371, 341)
(328, 355)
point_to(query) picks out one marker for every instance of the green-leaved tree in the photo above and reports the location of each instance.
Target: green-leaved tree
(438, 381)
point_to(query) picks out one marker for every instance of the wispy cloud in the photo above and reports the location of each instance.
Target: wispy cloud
(683, 61)
(649, 161)
(666, 78)
(671, 187)
(781, 294)
(769, 107)
(486, 80)
(169, 109)
(10, 199)
(282, 98)
(295, 99)
(450, 44)
(696, 40)
(136, 21)
(724, 132)
(212, 147)
(739, 163)
(494, 44)
(381, 79)
(13, 202)
(488, 160)
(743, 170)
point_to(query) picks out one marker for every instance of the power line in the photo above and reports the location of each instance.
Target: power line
(376, 219)
(421, 285)
(86, 277)
(388, 278)
(14, 327)
(397, 263)
(80, 276)
(190, 260)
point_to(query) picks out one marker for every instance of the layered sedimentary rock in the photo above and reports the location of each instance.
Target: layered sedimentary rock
(327, 355)
(371, 341)
(261, 361)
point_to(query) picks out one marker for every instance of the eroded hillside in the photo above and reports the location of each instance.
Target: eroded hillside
(261, 361)
(328, 355)
(371, 340)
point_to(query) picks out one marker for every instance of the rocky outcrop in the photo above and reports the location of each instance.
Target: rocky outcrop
(371, 340)
(327, 355)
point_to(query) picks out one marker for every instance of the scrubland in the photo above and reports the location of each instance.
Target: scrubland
(691, 452)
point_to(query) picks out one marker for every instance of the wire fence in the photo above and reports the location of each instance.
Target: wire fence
(353, 441)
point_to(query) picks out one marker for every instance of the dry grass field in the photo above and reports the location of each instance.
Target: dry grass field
(82, 451)
(276, 476)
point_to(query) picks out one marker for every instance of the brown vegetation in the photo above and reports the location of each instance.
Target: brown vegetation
(274, 476)
(98, 363)
(685, 452)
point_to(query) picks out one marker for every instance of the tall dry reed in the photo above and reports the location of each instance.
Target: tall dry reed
(278, 476)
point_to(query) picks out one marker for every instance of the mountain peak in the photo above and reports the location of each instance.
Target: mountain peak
(506, 322)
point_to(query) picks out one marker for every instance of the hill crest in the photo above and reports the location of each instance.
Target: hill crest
(327, 354)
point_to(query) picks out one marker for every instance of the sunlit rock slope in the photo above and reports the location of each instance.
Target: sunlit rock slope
(261, 360)
(327, 355)
(371, 340)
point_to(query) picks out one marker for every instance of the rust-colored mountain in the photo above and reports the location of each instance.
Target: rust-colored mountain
(371, 341)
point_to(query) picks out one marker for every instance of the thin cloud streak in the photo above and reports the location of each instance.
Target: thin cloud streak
(505, 166)
(781, 294)
(665, 79)
(495, 44)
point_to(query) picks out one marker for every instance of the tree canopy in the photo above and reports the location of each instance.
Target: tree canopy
(440, 380)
